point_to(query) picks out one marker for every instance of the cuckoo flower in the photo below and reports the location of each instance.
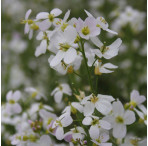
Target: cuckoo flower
(63, 121)
(96, 124)
(119, 119)
(107, 52)
(64, 42)
(48, 18)
(12, 106)
(59, 91)
(103, 68)
(101, 23)
(101, 102)
(87, 28)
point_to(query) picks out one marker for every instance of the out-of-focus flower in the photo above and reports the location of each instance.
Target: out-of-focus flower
(59, 91)
(12, 105)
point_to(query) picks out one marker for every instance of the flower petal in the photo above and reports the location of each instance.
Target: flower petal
(57, 59)
(88, 109)
(94, 132)
(59, 133)
(58, 96)
(87, 121)
(70, 56)
(119, 131)
(129, 117)
(56, 12)
(42, 15)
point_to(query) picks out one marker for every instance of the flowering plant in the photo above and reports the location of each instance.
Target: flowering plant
(89, 118)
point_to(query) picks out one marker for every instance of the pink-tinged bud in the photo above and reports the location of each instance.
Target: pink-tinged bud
(29, 121)
(68, 138)
(85, 141)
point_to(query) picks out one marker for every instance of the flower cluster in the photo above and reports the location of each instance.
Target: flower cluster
(87, 119)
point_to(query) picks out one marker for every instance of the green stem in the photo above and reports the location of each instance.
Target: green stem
(85, 60)
(77, 74)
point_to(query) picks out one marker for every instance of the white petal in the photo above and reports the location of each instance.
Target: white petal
(66, 15)
(70, 56)
(66, 89)
(40, 35)
(96, 41)
(88, 109)
(58, 96)
(77, 106)
(9, 95)
(104, 70)
(119, 131)
(111, 31)
(94, 132)
(118, 108)
(105, 125)
(97, 52)
(103, 106)
(116, 44)
(27, 28)
(106, 97)
(129, 117)
(57, 59)
(110, 65)
(16, 95)
(30, 34)
(88, 14)
(59, 133)
(56, 12)
(44, 25)
(27, 14)
(66, 121)
(142, 108)
(45, 140)
(70, 34)
(42, 15)
(87, 121)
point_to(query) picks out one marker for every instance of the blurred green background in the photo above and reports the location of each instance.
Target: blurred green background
(21, 69)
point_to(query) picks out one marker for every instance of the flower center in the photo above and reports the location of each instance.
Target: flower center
(11, 101)
(134, 142)
(51, 17)
(34, 26)
(95, 121)
(64, 26)
(34, 94)
(94, 99)
(103, 20)
(133, 103)
(64, 46)
(104, 49)
(119, 119)
(85, 30)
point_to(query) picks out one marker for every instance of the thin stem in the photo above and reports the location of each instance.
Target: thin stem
(85, 60)
(77, 74)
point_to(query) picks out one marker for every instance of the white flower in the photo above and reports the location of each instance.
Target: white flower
(64, 42)
(44, 140)
(102, 139)
(63, 121)
(76, 133)
(96, 124)
(64, 68)
(48, 18)
(101, 102)
(36, 94)
(62, 24)
(87, 28)
(44, 37)
(107, 52)
(136, 98)
(12, 107)
(142, 114)
(47, 117)
(30, 25)
(103, 68)
(101, 23)
(119, 119)
(59, 91)
(73, 107)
